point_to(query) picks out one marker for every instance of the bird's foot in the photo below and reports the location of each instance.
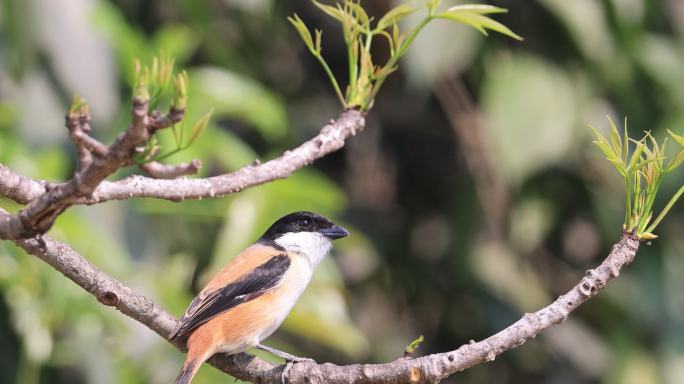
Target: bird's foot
(285, 376)
(290, 358)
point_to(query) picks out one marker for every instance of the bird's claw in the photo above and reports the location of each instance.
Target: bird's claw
(284, 377)
(297, 359)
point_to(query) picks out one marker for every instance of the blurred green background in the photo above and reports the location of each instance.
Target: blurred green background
(474, 194)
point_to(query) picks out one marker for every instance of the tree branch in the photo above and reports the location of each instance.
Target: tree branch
(95, 164)
(19, 188)
(427, 369)
(329, 139)
(171, 171)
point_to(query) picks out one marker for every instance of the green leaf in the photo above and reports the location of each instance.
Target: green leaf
(335, 12)
(676, 162)
(615, 139)
(359, 12)
(480, 9)
(78, 104)
(199, 127)
(679, 139)
(609, 152)
(394, 15)
(365, 80)
(303, 32)
(411, 348)
(636, 155)
(180, 86)
(142, 80)
(473, 15)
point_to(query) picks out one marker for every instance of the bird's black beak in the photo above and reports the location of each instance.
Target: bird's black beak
(335, 232)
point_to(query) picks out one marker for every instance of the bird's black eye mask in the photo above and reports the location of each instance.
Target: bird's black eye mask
(297, 222)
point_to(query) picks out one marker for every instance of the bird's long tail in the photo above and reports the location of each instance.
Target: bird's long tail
(189, 370)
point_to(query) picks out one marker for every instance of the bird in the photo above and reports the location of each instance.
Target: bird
(247, 300)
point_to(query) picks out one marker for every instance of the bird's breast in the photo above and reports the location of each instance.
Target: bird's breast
(285, 295)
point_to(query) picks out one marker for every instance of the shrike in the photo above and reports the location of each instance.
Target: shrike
(248, 299)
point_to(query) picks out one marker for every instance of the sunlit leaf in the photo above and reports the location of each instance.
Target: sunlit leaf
(413, 345)
(473, 15)
(199, 127)
(676, 161)
(636, 155)
(180, 85)
(615, 139)
(360, 13)
(679, 139)
(479, 9)
(394, 15)
(77, 105)
(335, 12)
(303, 31)
(609, 152)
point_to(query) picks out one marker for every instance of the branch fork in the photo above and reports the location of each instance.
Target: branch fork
(96, 162)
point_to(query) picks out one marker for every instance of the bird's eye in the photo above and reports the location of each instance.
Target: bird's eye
(305, 223)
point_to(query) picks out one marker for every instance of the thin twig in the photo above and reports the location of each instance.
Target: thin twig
(329, 139)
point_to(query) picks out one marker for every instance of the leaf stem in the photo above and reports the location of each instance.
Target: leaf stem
(628, 213)
(393, 60)
(665, 210)
(332, 79)
(648, 208)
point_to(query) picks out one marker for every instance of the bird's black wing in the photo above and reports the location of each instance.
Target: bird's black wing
(254, 284)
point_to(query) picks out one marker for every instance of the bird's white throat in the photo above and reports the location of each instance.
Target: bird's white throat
(312, 244)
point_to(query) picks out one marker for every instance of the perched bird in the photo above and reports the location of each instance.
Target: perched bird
(248, 299)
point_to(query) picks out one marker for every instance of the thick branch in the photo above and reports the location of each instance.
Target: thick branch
(19, 188)
(330, 139)
(427, 369)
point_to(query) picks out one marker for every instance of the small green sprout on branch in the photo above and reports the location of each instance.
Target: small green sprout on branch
(410, 349)
(642, 164)
(151, 84)
(359, 32)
